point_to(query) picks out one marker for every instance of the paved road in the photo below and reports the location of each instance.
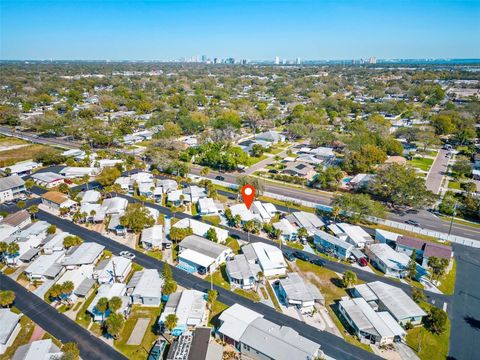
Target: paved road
(34, 138)
(437, 172)
(60, 326)
(425, 218)
(465, 310)
(330, 344)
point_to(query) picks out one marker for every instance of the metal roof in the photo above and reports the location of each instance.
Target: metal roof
(203, 246)
(240, 268)
(10, 182)
(86, 253)
(84, 287)
(9, 321)
(147, 283)
(297, 289)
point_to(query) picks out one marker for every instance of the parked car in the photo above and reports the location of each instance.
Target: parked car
(219, 177)
(127, 254)
(302, 256)
(318, 262)
(273, 171)
(412, 222)
(362, 262)
(288, 255)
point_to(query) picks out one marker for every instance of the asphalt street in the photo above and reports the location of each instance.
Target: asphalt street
(426, 219)
(330, 344)
(60, 326)
(465, 309)
(437, 172)
(39, 140)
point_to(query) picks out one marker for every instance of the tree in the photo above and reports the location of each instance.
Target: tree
(114, 304)
(358, 206)
(33, 210)
(3, 249)
(21, 204)
(108, 176)
(329, 178)
(401, 186)
(436, 320)
(302, 233)
(7, 297)
(470, 187)
(335, 212)
(67, 288)
(205, 171)
(70, 351)
(167, 271)
(438, 266)
(136, 218)
(462, 168)
(212, 235)
(257, 183)
(55, 292)
(412, 265)
(71, 240)
(170, 322)
(52, 229)
(418, 295)
(63, 188)
(13, 249)
(349, 279)
(102, 306)
(169, 287)
(211, 298)
(114, 324)
(178, 234)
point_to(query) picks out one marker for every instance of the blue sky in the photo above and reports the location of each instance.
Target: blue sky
(251, 29)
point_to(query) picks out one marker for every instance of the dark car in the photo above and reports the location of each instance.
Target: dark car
(318, 262)
(219, 177)
(412, 222)
(289, 256)
(300, 255)
(362, 262)
(273, 171)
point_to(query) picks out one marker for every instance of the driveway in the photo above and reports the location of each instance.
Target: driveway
(437, 172)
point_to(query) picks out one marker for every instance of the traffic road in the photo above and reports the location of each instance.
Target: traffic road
(330, 344)
(426, 219)
(34, 138)
(60, 326)
(437, 171)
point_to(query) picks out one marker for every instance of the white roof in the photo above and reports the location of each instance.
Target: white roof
(241, 209)
(188, 305)
(200, 228)
(307, 220)
(149, 283)
(91, 196)
(285, 227)
(153, 235)
(355, 233)
(56, 241)
(71, 171)
(142, 177)
(391, 258)
(47, 177)
(43, 263)
(121, 265)
(298, 290)
(269, 257)
(388, 235)
(9, 321)
(86, 253)
(174, 195)
(76, 276)
(100, 211)
(22, 166)
(235, 320)
(196, 258)
(207, 205)
(38, 350)
(115, 205)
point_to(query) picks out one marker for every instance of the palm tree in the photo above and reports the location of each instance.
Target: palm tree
(260, 277)
(33, 210)
(3, 249)
(171, 322)
(92, 215)
(335, 212)
(115, 303)
(102, 306)
(13, 249)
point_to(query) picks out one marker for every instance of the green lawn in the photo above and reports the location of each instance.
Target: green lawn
(10, 157)
(9, 270)
(447, 282)
(219, 277)
(138, 352)
(157, 254)
(214, 220)
(431, 346)
(272, 296)
(217, 308)
(254, 159)
(454, 185)
(421, 163)
(293, 207)
(83, 318)
(249, 294)
(233, 244)
(22, 338)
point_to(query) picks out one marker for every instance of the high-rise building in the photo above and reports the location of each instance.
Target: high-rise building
(215, 60)
(204, 58)
(373, 60)
(298, 61)
(277, 60)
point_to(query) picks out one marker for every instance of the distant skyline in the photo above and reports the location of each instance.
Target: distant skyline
(248, 29)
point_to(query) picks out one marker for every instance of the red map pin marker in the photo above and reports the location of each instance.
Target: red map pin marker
(248, 194)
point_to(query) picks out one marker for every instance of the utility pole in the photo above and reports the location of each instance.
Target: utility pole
(114, 273)
(451, 219)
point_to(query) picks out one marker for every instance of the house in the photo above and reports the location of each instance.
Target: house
(332, 245)
(9, 329)
(355, 235)
(370, 326)
(29, 240)
(192, 194)
(268, 257)
(476, 161)
(81, 278)
(115, 205)
(257, 338)
(111, 270)
(104, 163)
(86, 254)
(175, 197)
(108, 291)
(360, 181)
(95, 212)
(17, 220)
(424, 249)
(198, 254)
(296, 292)
(190, 307)
(45, 267)
(153, 238)
(303, 219)
(74, 153)
(264, 211)
(396, 160)
(40, 349)
(11, 187)
(387, 260)
(145, 287)
(54, 242)
(115, 225)
(287, 230)
(324, 153)
(476, 174)
(387, 237)
(71, 172)
(200, 228)
(167, 185)
(48, 179)
(90, 197)
(243, 212)
(207, 206)
(197, 345)
(300, 169)
(272, 137)
(57, 200)
(242, 273)
(22, 168)
(384, 297)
